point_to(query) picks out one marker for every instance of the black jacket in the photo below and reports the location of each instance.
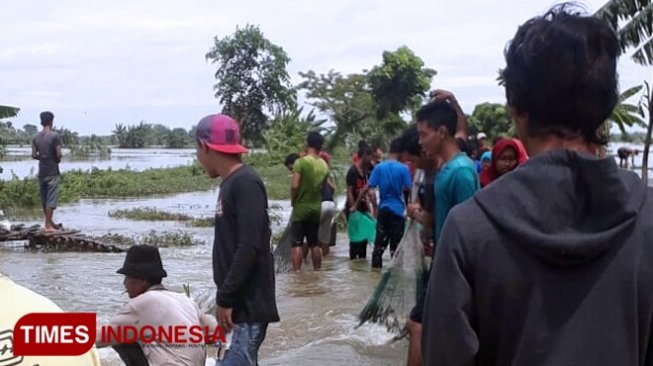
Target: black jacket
(550, 265)
(243, 266)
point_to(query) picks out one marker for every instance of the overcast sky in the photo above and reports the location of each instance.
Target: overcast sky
(95, 63)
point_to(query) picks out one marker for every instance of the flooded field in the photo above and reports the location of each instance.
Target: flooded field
(19, 162)
(318, 310)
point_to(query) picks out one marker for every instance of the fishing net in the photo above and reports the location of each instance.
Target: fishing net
(401, 283)
(283, 251)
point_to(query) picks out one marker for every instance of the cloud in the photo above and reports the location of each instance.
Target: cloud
(96, 63)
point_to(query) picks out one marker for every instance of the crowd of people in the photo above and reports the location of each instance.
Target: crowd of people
(536, 261)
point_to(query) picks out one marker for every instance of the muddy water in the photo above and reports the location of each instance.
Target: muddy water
(318, 310)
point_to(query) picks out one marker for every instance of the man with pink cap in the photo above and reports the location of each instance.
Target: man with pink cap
(243, 266)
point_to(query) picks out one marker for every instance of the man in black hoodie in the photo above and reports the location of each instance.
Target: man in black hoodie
(553, 263)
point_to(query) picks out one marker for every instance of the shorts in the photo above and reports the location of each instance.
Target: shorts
(305, 229)
(49, 189)
(326, 219)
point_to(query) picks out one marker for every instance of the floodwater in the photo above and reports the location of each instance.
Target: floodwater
(318, 309)
(22, 165)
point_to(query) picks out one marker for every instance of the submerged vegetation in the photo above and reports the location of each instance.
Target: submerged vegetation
(154, 238)
(148, 214)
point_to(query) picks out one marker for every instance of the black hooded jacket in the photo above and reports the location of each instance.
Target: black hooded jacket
(550, 265)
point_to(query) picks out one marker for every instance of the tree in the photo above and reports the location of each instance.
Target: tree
(400, 83)
(491, 118)
(288, 132)
(251, 79)
(347, 101)
(8, 112)
(626, 114)
(30, 130)
(633, 22)
(177, 138)
(68, 137)
(120, 133)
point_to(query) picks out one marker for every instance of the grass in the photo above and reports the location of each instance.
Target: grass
(97, 183)
(125, 183)
(153, 214)
(148, 214)
(154, 238)
(168, 239)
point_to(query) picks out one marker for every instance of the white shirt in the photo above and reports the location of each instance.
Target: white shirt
(159, 307)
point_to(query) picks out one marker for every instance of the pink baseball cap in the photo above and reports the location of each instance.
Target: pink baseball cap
(221, 133)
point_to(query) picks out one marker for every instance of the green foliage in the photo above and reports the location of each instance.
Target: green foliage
(68, 138)
(97, 183)
(177, 138)
(493, 119)
(148, 214)
(133, 137)
(168, 239)
(633, 22)
(145, 134)
(91, 146)
(8, 112)
(400, 82)
(347, 100)
(625, 114)
(288, 131)
(251, 78)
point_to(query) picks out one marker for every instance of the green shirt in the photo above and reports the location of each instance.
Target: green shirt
(308, 204)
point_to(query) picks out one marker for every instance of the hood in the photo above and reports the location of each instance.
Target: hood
(565, 207)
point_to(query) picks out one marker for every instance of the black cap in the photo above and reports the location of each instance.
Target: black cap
(143, 261)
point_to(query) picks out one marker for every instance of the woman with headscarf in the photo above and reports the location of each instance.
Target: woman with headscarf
(507, 154)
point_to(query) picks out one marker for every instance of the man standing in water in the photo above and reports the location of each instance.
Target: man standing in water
(243, 266)
(551, 265)
(46, 148)
(393, 179)
(358, 197)
(309, 176)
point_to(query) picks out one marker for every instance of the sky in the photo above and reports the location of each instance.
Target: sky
(96, 63)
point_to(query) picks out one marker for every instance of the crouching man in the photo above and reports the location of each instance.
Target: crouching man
(152, 305)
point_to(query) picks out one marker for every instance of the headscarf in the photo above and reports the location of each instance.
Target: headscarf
(486, 156)
(489, 175)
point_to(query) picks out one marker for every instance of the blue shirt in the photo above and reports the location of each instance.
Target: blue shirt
(456, 182)
(392, 177)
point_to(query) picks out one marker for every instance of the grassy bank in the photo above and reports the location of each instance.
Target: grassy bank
(96, 183)
(152, 214)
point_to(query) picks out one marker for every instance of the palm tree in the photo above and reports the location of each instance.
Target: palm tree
(633, 22)
(626, 114)
(8, 112)
(647, 103)
(636, 31)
